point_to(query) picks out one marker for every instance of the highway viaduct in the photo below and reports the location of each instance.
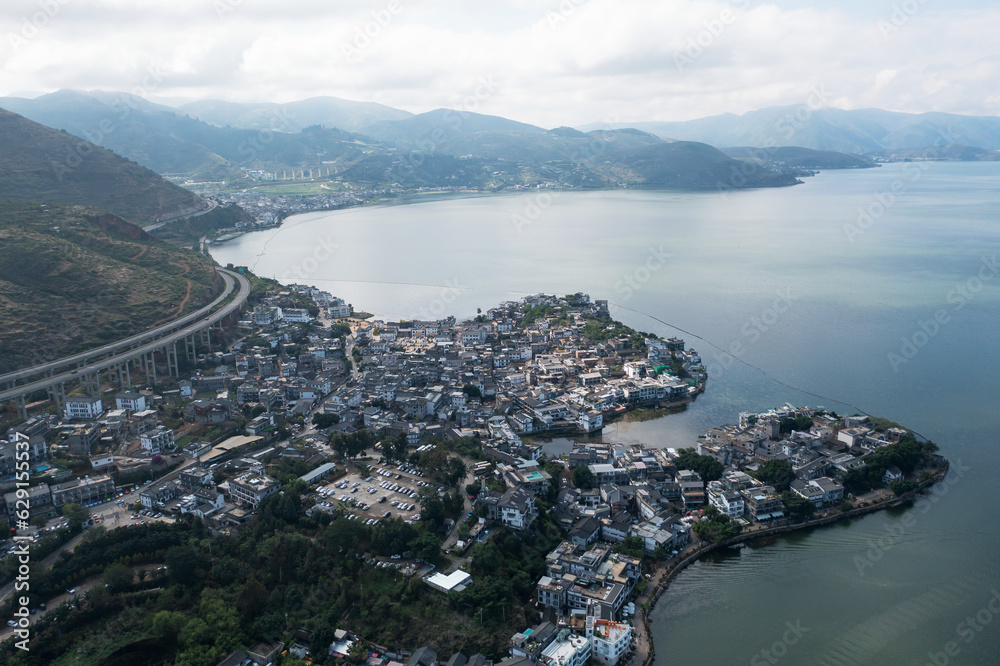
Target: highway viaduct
(117, 357)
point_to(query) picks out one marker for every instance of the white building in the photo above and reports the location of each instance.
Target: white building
(567, 649)
(158, 440)
(84, 407)
(251, 488)
(131, 401)
(298, 315)
(609, 641)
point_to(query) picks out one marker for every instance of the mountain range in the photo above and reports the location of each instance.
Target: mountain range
(862, 131)
(441, 148)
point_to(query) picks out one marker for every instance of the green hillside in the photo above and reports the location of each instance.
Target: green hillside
(798, 157)
(72, 277)
(41, 164)
(690, 165)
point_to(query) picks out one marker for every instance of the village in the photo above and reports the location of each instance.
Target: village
(444, 423)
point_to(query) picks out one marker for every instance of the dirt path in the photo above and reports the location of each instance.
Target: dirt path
(141, 252)
(187, 295)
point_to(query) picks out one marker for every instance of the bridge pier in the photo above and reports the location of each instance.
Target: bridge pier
(189, 348)
(128, 376)
(150, 367)
(57, 394)
(173, 363)
(206, 339)
(93, 383)
(22, 409)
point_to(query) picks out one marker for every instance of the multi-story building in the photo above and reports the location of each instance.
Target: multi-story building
(83, 407)
(609, 641)
(158, 440)
(251, 488)
(83, 491)
(130, 401)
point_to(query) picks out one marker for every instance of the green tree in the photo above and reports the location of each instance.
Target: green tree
(633, 546)
(583, 478)
(118, 577)
(166, 625)
(75, 515)
(319, 643)
(707, 467)
(716, 526)
(777, 473)
(799, 508)
(325, 420)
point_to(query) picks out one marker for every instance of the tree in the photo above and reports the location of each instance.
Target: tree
(716, 526)
(799, 508)
(472, 391)
(325, 420)
(633, 546)
(583, 478)
(166, 625)
(777, 473)
(118, 577)
(707, 467)
(319, 643)
(251, 599)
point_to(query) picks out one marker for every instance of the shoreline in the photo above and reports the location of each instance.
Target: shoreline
(665, 573)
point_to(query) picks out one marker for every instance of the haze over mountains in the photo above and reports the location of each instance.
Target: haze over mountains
(436, 149)
(866, 131)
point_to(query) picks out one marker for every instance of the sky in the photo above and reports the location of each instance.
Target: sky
(546, 62)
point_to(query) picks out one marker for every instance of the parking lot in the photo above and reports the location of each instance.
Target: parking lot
(388, 491)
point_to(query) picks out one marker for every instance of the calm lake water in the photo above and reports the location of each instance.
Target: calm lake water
(895, 312)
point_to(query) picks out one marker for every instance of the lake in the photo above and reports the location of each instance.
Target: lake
(873, 290)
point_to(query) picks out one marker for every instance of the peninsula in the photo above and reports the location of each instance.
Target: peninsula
(313, 484)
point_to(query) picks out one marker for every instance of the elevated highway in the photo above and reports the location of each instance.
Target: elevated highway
(117, 357)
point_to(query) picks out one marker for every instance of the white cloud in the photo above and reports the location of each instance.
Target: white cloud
(557, 62)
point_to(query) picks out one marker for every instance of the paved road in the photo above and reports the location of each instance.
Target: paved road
(147, 348)
(130, 342)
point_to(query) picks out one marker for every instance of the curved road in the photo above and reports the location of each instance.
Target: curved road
(147, 348)
(125, 344)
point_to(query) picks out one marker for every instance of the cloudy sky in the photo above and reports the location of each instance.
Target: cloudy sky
(548, 62)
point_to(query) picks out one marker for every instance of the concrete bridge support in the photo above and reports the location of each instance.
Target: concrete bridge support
(189, 348)
(22, 409)
(206, 338)
(57, 394)
(173, 363)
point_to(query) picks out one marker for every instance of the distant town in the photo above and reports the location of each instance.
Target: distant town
(442, 426)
